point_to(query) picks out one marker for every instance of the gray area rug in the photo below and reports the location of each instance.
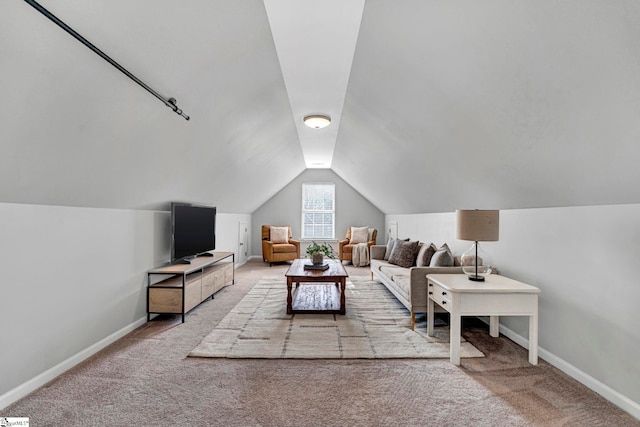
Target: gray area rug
(376, 326)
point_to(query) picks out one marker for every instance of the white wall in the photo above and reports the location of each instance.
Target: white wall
(585, 261)
(285, 208)
(227, 232)
(74, 280)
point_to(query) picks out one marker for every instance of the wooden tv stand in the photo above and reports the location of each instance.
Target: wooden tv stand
(189, 284)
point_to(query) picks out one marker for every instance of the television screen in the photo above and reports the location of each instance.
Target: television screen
(193, 230)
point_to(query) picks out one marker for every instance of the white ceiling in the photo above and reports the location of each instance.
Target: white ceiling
(435, 105)
(315, 42)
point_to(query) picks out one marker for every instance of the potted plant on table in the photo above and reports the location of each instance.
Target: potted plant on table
(317, 252)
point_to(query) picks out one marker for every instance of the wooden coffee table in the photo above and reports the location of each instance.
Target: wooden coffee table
(299, 275)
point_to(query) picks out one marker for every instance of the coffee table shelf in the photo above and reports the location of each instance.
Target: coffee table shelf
(335, 274)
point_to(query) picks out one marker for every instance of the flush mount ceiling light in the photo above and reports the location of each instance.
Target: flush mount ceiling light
(317, 121)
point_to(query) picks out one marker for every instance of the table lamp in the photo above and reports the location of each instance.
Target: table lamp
(477, 226)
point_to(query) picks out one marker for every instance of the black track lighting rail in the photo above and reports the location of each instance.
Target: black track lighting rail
(169, 102)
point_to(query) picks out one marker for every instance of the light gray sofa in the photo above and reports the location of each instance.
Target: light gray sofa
(409, 285)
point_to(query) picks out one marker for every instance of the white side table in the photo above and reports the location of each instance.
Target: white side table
(496, 296)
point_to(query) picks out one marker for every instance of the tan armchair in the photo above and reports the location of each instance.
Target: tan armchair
(345, 248)
(280, 250)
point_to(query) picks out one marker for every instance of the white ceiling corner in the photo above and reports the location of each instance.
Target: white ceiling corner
(315, 42)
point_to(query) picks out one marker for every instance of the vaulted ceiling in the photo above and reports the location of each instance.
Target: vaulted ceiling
(445, 104)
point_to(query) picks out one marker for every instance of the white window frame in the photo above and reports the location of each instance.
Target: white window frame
(332, 212)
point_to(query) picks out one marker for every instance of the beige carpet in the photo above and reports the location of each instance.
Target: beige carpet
(376, 326)
(145, 379)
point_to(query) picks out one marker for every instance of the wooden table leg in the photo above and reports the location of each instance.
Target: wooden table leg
(343, 285)
(289, 298)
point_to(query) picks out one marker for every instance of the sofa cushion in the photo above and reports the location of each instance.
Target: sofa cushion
(392, 271)
(359, 235)
(279, 234)
(377, 264)
(403, 283)
(403, 253)
(425, 254)
(442, 258)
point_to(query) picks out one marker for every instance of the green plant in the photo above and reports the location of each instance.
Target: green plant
(323, 248)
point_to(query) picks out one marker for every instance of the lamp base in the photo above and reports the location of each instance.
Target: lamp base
(476, 263)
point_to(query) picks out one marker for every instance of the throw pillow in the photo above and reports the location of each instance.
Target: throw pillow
(418, 249)
(442, 258)
(390, 244)
(424, 256)
(359, 235)
(279, 234)
(403, 253)
(392, 241)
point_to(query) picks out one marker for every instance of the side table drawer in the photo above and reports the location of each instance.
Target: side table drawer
(439, 295)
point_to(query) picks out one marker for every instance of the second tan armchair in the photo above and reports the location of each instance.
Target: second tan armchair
(278, 244)
(345, 247)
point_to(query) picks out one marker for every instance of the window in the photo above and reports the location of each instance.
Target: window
(318, 210)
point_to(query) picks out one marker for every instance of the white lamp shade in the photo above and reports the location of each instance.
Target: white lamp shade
(478, 225)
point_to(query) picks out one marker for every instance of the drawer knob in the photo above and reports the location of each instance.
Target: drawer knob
(430, 293)
(444, 302)
(431, 285)
(444, 293)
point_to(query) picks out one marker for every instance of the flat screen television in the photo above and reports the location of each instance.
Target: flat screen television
(193, 231)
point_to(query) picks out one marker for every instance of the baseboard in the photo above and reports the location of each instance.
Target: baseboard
(33, 384)
(618, 399)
